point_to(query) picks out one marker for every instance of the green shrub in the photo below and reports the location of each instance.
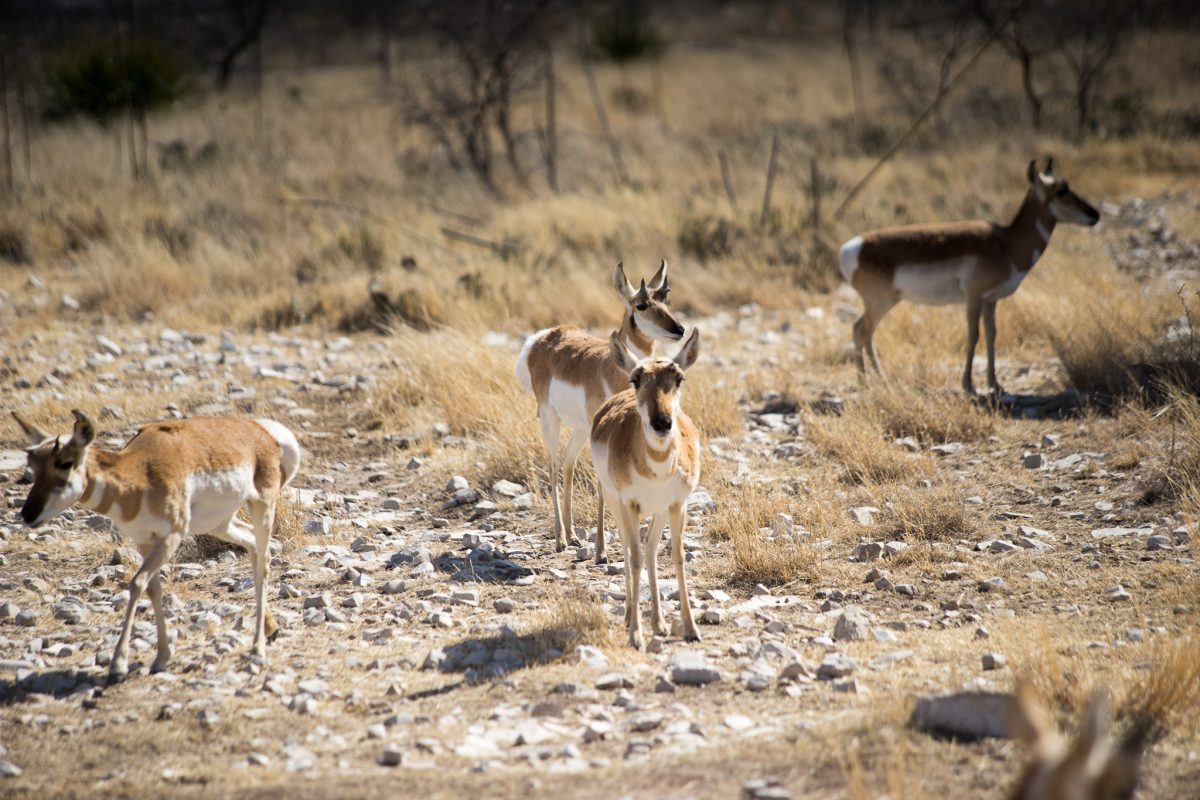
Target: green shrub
(100, 81)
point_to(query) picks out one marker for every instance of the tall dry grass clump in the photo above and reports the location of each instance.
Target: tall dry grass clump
(452, 377)
(764, 551)
(571, 617)
(859, 442)
(912, 405)
(927, 515)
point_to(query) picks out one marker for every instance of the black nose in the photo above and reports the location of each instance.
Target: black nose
(678, 330)
(28, 515)
(660, 424)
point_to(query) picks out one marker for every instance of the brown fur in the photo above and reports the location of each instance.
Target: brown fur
(576, 357)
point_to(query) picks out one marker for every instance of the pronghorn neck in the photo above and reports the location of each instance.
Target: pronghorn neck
(1029, 232)
(103, 487)
(634, 338)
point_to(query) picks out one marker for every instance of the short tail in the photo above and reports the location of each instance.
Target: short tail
(523, 376)
(848, 257)
(289, 450)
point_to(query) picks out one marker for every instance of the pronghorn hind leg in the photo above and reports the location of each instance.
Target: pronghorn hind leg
(570, 455)
(989, 334)
(262, 513)
(154, 589)
(237, 532)
(678, 520)
(550, 430)
(601, 544)
(974, 309)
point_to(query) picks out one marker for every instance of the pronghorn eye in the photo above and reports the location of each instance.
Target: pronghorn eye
(65, 466)
(678, 381)
(642, 306)
(636, 380)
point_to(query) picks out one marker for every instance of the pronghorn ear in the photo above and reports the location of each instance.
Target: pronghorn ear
(1092, 735)
(1031, 172)
(1026, 719)
(659, 281)
(85, 430)
(621, 283)
(620, 354)
(33, 434)
(691, 349)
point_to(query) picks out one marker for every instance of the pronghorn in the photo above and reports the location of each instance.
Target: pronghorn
(172, 478)
(572, 373)
(977, 263)
(1092, 767)
(647, 456)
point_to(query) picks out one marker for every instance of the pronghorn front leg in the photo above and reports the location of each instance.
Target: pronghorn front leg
(154, 589)
(678, 520)
(153, 558)
(601, 540)
(657, 523)
(631, 543)
(974, 308)
(989, 333)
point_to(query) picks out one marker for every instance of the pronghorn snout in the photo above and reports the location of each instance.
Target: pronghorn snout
(661, 424)
(676, 330)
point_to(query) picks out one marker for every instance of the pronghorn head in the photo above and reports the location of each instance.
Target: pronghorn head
(647, 305)
(1092, 767)
(59, 468)
(656, 383)
(1054, 193)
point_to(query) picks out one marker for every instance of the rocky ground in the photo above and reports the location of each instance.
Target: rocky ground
(431, 640)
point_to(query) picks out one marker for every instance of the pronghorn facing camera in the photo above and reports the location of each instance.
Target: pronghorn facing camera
(1092, 767)
(647, 457)
(976, 263)
(572, 373)
(173, 478)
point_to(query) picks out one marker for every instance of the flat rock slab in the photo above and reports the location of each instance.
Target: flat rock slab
(1111, 533)
(966, 716)
(691, 668)
(12, 460)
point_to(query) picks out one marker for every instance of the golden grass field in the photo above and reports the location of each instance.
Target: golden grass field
(281, 235)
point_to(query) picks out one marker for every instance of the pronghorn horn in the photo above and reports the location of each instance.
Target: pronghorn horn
(1049, 165)
(1031, 172)
(85, 429)
(659, 281)
(620, 282)
(33, 433)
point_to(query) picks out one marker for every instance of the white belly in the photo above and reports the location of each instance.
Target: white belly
(1008, 287)
(935, 284)
(570, 403)
(216, 496)
(652, 496)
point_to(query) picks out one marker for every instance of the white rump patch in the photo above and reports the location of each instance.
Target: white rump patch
(289, 448)
(848, 257)
(935, 284)
(523, 376)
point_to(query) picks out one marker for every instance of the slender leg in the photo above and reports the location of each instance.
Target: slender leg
(263, 514)
(601, 544)
(154, 589)
(861, 337)
(989, 333)
(657, 523)
(974, 308)
(237, 532)
(633, 571)
(155, 556)
(574, 444)
(550, 429)
(878, 300)
(678, 520)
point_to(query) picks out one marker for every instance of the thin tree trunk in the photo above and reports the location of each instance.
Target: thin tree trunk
(550, 139)
(144, 129)
(815, 190)
(260, 116)
(656, 87)
(23, 105)
(860, 110)
(727, 179)
(1031, 95)
(133, 154)
(771, 163)
(598, 102)
(9, 178)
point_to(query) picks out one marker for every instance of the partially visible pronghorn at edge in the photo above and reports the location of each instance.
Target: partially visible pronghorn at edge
(977, 263)
(647, 456)
(572, 373)
(1092, 767)
(172, 479)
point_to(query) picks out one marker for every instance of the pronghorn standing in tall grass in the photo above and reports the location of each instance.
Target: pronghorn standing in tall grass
(1092, 767)
(572, 373)
(647, 456)
(173, 478)
(977, 263)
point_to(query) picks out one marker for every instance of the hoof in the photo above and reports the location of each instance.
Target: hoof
(637, 642)
(270, 626)
(117, 671)
(691, 637)
(159, 665)
(601, 559)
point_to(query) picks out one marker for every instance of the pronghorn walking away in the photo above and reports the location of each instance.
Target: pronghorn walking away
(572, 373)
(172, 478)
(647, 457)
(976, 263)
(1093, 767)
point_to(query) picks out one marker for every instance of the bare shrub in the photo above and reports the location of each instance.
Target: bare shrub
(762, 554)
(858, 441)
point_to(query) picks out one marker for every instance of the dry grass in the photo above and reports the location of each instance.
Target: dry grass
(858, 441)
(910, 406)
(763, 550)
(572, 617)
(927, 515)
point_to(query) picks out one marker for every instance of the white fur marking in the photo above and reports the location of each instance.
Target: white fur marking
(289, 448)
(935, 284)
(216, 496)
(848, 257)
(523, 376)
(570, 403)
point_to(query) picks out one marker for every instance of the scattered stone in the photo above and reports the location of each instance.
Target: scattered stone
(991, 584)
(967, 715)
(947, 449)
(835, 666)
(505, 605)
(392, 756)
(1117, 594)
(1034, 461)
(852, 625)
(992, 661)
(738, 722)
(321, 526)
(864, 515)
(9, 769)
(612, 681)
(691, 668)
(1158, 542)
(507, 489)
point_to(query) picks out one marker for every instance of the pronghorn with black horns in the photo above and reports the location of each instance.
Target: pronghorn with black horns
(572, 373)
(977, 263)
(172, 479)
(647, 456)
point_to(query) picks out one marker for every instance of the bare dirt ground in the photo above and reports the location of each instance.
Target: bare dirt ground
(434, 635)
